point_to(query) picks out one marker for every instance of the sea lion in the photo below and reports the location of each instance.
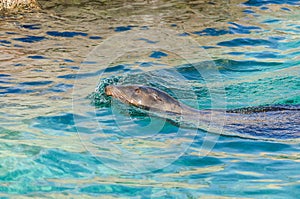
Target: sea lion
(147, 98)
(271, 122)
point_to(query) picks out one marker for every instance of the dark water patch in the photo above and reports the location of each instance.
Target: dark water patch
(286, 9)
(247, 42)
(212, 32)
(68, 60)
(119, 68)
(208, 47)
(240, 145)
(266, 2)
(11, 33)
(248, 11)
(196, 161)
(240, 29)
(3, 87)
(36, 83)
(123, 28)
(158, 54)
(37, 70)
(269, 21)
(4, 75)
(6, 79)
(146, 64)
(95, 37)
(31, 26)
(30, 39)
(37, 57)
(5, 42)
(115, 68)
(5, 82)
(264, 8)
(66, 34)
(15, 90)
(185, 34)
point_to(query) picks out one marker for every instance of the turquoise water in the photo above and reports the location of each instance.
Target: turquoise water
(61, 137)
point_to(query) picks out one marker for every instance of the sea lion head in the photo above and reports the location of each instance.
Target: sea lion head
(144, 97)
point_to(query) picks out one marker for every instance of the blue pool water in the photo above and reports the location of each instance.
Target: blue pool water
(62, 137)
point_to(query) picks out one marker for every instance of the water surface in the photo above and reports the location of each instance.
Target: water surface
(254, 47)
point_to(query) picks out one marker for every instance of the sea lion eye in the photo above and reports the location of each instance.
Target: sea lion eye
(156, 97)
(137, 90)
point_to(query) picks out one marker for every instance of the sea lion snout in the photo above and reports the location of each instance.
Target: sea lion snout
(108, 90)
